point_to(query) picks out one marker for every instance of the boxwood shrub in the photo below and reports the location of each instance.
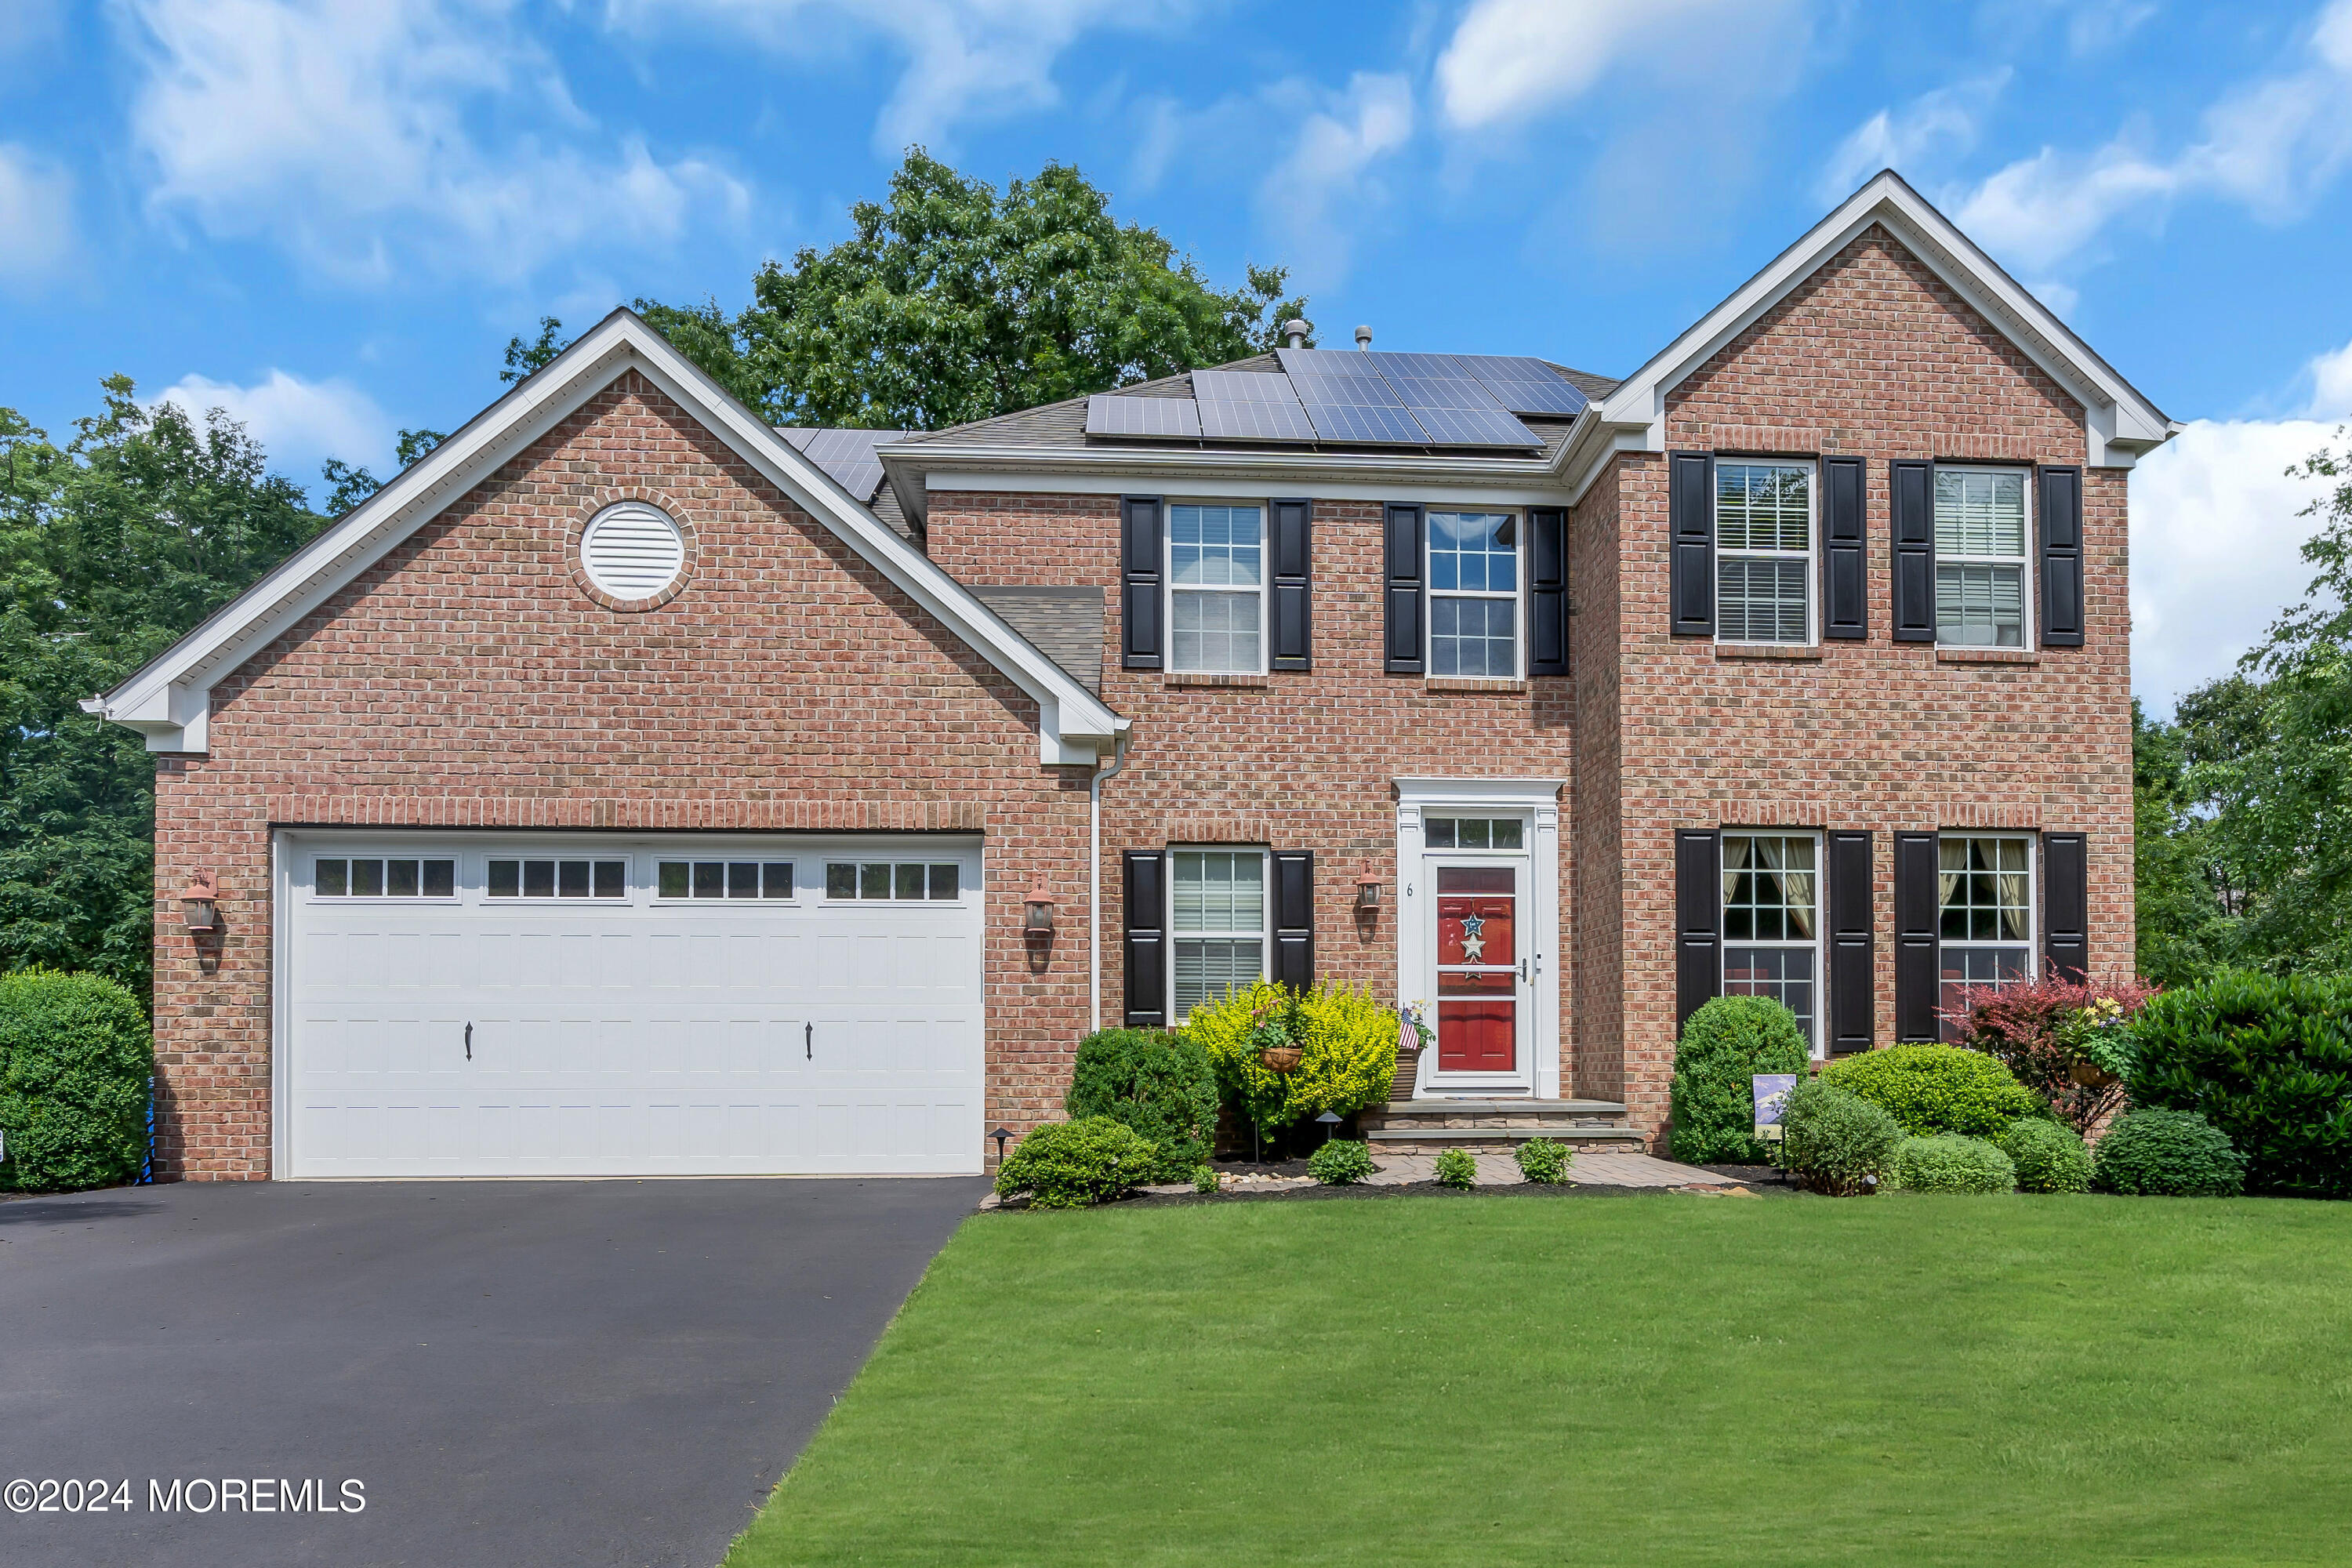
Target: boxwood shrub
(1069, 1164)
(1161, 1085)
(2168, 1154)
(2268, 1061)
(1340, 1162)
(1948, 1163)
(1835, 1142)
(1937, 1088)
(2049, 1157)
(1727, 1042)
(76, 1053)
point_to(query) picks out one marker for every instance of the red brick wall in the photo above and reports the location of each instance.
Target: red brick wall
(467, 680)
(1595, 911)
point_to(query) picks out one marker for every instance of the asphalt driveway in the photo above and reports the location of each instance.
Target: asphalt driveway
(516, 1372)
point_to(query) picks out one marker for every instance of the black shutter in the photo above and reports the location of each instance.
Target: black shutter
(1548, 592)
(1918, 961)
(1406, 598)
(1913, 486)
(1698, 922)
(1139, 599)
(1690, 512)
(2062, 557)
(1147, 940)
(1845, 578)
(1854, 951)
(1293, 919)
(1290, 614)
(2066, 903)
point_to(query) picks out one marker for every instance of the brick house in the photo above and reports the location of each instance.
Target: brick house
(632, 788)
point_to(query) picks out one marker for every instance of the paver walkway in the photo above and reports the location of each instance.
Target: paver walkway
(1592, 1168)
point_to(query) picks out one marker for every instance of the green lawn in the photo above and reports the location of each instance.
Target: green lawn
(1660, 1379)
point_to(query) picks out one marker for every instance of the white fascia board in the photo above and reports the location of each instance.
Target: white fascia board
(2119, 423)
(1247, 488)
(170, 697)
(1476, 791)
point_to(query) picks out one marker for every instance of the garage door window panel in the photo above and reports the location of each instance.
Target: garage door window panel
(723, 879)
(372, 877)
(899, 881)
(521, 878)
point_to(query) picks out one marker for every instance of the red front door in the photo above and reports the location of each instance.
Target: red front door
(1478, 969)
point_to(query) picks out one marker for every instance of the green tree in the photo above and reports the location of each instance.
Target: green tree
(524, 359)
(954, 302)
(112, 545)
(2183, 894)
(347, 486)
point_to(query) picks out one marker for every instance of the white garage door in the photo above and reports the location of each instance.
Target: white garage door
(674, 1006)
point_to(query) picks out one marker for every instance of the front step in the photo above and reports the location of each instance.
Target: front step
(1423, 1126)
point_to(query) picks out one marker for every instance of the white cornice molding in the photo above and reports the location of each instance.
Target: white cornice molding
(169, 699)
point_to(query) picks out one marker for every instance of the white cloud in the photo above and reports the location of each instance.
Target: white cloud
(966, 60)
(37, 229)
(1324, 184)
(2269, 146)
(349, 130)
(1935, 124)
(2331, 385)
(1512, 58)
(299, 423)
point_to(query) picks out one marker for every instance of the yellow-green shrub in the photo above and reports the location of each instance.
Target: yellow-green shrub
(1348, 1040)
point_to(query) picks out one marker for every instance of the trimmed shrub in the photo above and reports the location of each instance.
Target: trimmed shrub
(2268, 1061)
(76, 1053)
(2049, 1157)
(1543, 1160)
(1204, 1179)
(1455, 1168)
(1948, 1163)
(1726, 1043)
(1069, 1164)
(1937, 1088)
(2168, 1154)
(1161, 1085)
(1341, 1162)
(1833, 1141)
(2043, 1030)
(1347, 1041)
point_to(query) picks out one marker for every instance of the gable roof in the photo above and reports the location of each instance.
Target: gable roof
(2120, 422)
(170, 699)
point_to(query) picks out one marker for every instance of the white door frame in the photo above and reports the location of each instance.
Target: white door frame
(1538, 802)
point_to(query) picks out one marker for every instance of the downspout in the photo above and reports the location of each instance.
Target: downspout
(1094, 874)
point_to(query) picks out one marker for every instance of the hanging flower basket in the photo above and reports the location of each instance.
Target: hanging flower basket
(2090, 1075)
(1282, 1059)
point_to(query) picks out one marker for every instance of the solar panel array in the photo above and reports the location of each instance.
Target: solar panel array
(1353, 399)
(847, 455)
(1111, 415)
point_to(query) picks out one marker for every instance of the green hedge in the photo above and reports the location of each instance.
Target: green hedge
(1948, 1163)
(2049, 1157)
(1937, 1088)
(76, 1054)
(2268, 1061)
(2168, 1154)
(1161, 1085)
(1727, 1042)
(1347, 1038)
(1835, 1142)
(1069, 1164)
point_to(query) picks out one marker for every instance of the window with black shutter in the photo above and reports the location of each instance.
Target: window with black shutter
(1407, 597)
(1698, 922)
(1845, 577)
(1918, 903)
(1911, 484)
(1690, 521)
(1147, 940)
(1290, 615)
(1854, 953)
(2066, 903)
(2060, 518)
(1142, 636)
(1546, 592)
(1293, 919)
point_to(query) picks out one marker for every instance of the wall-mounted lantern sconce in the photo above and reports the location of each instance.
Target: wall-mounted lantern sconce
(1368, 888)
(1037, 911)
(201, 900)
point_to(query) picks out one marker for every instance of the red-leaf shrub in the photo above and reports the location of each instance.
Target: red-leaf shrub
(2040, 1031)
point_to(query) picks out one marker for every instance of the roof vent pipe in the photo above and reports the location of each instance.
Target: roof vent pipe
(1294, 331)
(1363, 338)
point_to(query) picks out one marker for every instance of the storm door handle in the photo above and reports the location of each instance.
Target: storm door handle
(808, 1040)
(469, 1042)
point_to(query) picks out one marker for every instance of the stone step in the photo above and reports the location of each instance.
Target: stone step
(1408, 1139)
(1444, 1110)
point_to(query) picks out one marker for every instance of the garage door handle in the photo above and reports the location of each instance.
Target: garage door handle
(808, 1040)
(469, 1042)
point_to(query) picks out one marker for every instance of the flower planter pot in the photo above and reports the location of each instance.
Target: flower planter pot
(1284, 1060)
(2090, 1076)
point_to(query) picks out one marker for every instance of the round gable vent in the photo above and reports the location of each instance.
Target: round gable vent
(632, 550)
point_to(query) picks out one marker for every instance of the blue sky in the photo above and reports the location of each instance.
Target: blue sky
(328, 218)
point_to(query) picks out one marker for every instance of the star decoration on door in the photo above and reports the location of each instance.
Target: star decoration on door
(1473, 939)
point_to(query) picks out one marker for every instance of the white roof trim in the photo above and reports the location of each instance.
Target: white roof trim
(2119, 424)
(169, 699)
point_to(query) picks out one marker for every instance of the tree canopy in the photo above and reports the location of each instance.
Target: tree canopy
(955, 301)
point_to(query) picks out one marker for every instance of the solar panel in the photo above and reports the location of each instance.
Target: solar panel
(1524, 385)
(847, 455)
(1108, 414)
(1249, 405)
(1452, 406)
(1348, 400)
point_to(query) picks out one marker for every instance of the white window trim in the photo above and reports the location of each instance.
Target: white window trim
(1811, 555)
(2028, 636)
(1816, 946)
(1263, 590)
(1264, 909)
(1432, 594)
(1540, 799)
(2031, 941)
